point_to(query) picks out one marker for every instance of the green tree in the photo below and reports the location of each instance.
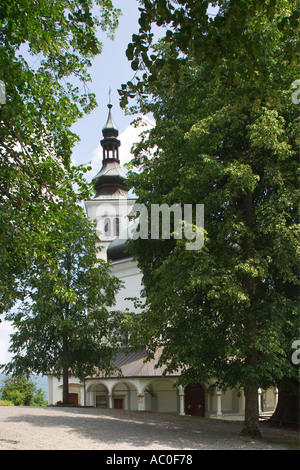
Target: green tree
(225, 137)
(46, 49)
(65, 325)
(19, 390)
(39, 398)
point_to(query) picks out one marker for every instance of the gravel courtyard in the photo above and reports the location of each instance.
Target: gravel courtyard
(38, 428)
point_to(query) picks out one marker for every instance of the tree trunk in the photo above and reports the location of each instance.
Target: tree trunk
(65, 348)
(65, 367)
(287, 410)
(251, 411)
(65, 385)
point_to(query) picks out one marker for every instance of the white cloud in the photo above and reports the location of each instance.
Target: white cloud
(6, 330)
(95, 163)
(130, 136)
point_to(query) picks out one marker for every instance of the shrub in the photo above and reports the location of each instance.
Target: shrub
(6, 403)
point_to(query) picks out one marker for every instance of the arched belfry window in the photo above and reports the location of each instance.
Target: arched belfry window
(107, 227)
(110, 150)
(117, 226)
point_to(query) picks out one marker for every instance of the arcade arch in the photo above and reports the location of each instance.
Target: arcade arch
(97, 394)
(124, 395)
(160, 395)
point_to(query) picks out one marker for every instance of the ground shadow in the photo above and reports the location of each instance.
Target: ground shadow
(139, 430)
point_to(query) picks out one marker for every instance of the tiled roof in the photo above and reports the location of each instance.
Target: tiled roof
(135, 365)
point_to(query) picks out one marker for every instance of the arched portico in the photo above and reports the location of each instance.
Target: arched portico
(113, 393)
(124, 395)
(97, 394)
(160, 394)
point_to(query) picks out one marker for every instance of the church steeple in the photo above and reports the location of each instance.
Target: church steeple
(110, 143)
(110, 182)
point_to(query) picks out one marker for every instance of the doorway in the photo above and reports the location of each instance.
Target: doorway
(73, 398)
(194, 400)
(118, 403)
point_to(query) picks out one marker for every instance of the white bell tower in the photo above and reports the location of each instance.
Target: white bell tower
(111, 204)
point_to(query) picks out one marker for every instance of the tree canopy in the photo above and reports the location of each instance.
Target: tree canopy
(46, 49)
(226, 137)
(232, 37)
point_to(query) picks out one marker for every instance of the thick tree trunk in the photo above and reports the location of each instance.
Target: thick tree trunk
(251, 411)
(65, 385)
(287, 410)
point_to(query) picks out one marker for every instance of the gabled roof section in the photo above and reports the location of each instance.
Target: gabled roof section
(135, 364)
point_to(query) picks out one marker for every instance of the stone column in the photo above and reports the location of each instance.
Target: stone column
(219, 402)
(259, 401)
(110, 400)
(141, 402)
(181, 400)
(276, 396)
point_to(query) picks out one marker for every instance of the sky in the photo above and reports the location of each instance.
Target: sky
(109, 71)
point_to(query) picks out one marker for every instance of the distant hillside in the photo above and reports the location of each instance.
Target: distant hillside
(40, 381)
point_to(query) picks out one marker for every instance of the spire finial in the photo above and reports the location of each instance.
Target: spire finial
(110, 143)
(109, 96)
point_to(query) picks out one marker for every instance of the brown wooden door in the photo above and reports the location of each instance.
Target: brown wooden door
(194, 400)
(118, 403)
(73, 398)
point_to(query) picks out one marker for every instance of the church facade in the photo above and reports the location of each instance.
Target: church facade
(141, 386)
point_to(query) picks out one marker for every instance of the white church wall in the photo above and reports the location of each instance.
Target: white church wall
(54, 390)
(128, 272)
(166, 397)
(55, 387)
